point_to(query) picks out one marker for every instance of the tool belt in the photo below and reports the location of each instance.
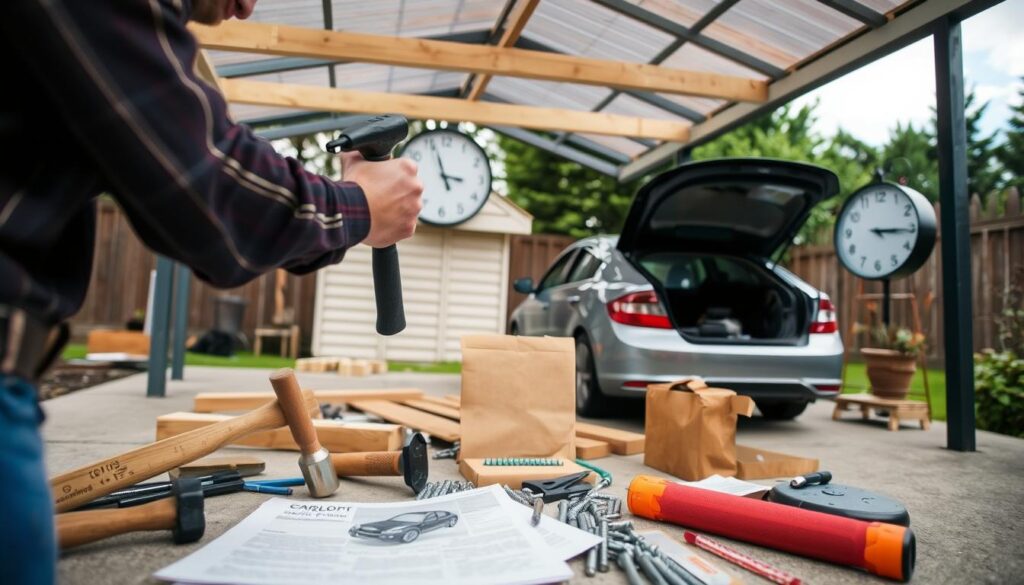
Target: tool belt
(28, 346)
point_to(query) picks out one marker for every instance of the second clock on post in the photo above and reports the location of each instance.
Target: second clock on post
(455, 172)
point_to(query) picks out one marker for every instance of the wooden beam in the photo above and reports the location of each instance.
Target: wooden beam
(241, 401)
(335, 436)
(423, 107)
(435, 426)
(434, 408)
(621, 442)
(591, 448)
(273, 39)
(514, 25)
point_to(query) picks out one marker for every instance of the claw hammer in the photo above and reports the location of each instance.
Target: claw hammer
(375, 137)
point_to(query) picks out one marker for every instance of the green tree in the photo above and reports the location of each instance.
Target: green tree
(1011, 152)
(563, 196)
(983, 167)
(909, 158)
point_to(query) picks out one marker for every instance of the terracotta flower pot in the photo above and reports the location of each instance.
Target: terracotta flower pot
(889, 371)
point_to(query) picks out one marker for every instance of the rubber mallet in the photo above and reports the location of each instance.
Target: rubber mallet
(411, 463)
(72, 489)
(884, 549)
(314, 460)
(182, 514)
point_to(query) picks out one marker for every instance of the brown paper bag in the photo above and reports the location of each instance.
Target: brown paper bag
(518, 396)
(691, 428)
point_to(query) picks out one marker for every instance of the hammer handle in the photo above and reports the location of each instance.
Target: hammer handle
(78, 528)
(74, 488)
(289, 397)
(387, 290)
(367, 464)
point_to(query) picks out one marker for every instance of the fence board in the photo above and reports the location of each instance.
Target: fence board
(997, 250)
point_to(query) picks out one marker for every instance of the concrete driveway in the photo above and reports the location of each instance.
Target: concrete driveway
(967, 510)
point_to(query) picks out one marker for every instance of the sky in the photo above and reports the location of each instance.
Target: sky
(901, 86)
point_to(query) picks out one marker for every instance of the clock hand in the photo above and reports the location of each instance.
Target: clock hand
(444, 177)
(459, 179)
(879, 231)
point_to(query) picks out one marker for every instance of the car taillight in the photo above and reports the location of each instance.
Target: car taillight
(825, 320)
(640, 309)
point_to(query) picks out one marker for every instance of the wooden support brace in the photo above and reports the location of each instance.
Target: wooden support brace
(335, 436)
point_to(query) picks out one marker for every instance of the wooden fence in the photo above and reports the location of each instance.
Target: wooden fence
(120, 285)
(530, 256)
(997, 255)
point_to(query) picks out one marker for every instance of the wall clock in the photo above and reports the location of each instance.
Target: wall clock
(885, 231)
(455, 172)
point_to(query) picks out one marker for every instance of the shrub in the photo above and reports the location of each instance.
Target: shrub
(999, 392)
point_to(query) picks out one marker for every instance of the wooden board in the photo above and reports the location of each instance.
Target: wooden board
(475, 471)
(110, 341)
(897, 409)
(435, 426)
(591, 448)
(453, 398)
(445, 410)
(239, 401)
(621, 442)
(335, 436)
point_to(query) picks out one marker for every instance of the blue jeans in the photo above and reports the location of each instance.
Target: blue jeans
(28, 547)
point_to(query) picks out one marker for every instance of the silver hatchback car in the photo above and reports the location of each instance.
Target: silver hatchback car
(690, 289)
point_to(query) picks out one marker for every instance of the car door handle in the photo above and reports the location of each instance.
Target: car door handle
(573, 300)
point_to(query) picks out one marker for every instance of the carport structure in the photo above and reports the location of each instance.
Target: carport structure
(618, 86)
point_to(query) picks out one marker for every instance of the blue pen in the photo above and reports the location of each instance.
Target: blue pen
(267, 489)
(286, 482)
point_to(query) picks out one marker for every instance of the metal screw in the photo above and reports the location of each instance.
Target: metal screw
(563, 510)
(591, 567)
(647, 566)
(602, 560)
(669, 575)
(625, 561)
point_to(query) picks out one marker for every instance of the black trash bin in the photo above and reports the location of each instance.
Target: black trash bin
(225, 337)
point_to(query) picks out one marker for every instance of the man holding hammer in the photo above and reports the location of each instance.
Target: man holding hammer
(101, 98)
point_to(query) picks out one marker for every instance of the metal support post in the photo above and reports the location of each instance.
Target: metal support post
(163, 285)
(182, 282)
(951, 130)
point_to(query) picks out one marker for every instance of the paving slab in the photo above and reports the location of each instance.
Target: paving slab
(967, 509)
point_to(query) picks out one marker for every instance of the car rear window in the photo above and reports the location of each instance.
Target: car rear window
(758, 209)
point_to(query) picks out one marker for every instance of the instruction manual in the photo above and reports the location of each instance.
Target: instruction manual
(475, 537)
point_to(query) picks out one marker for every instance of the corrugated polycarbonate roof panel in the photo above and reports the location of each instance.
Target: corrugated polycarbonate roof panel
(308, 13)
(415, 17)
(630, 148)
(684, 12)
(311, 76)
(548, 94)
(579, 27)
(629, 106)
(691, 57)
(371, 77)
(883, 6)
(245, 113)
(781, 33)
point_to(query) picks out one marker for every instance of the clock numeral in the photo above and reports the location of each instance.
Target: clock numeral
(474, 197)
(446, 141)
(906, 245)
(848, 232)
(862, 259)
(906, 210)
(459, 209)
(913, 227)
(878, 265)
(464, 145)
(853, 249)
(480, 180)
(416, 155)
(855, 217)
(432, 143)
(476, 163)
(865, 202)
(440, 211)
(880, 197)
(893, 259)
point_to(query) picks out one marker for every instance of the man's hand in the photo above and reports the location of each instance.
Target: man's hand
(392, 192)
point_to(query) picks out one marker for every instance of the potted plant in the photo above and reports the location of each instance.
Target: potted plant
(892, 361)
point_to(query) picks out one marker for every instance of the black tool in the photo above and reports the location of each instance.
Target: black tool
(411, 463)
(842, 500)
(818, 477)
(375, 138)
(559, 488)
(223, 482)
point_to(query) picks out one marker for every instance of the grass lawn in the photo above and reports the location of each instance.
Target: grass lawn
(245, 359)
(857, 381)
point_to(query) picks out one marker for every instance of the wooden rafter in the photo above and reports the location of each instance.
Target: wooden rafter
(514, 25)
(327, 99)
(293, 41)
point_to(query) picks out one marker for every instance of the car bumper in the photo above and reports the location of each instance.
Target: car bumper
(378, 535)
(633, 357)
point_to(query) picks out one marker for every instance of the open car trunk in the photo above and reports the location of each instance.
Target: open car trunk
(703, 233)
(727, 299)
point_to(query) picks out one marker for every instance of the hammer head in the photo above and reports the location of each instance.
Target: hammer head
(414, 463)
(190, 523)
(319, 473)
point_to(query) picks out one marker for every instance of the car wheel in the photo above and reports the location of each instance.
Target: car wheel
(513, 329)
(411, 535)
(453, 522)
(589, 399)
(781, 410)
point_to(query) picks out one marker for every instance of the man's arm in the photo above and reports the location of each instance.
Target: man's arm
(196, 186)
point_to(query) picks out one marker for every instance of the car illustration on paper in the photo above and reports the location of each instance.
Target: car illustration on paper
(405, 527)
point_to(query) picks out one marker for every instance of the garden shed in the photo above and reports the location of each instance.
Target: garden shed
(451, 277)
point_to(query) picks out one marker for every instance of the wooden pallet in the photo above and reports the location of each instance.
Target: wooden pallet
(898, 409)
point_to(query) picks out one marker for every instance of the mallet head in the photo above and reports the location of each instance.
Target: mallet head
(415, 463)
(190, 523)
(317, 470)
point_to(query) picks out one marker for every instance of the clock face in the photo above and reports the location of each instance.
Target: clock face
(455, 172)
(884, 230)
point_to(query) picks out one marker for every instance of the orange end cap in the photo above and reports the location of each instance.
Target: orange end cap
(889, 551)
(644, 496)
